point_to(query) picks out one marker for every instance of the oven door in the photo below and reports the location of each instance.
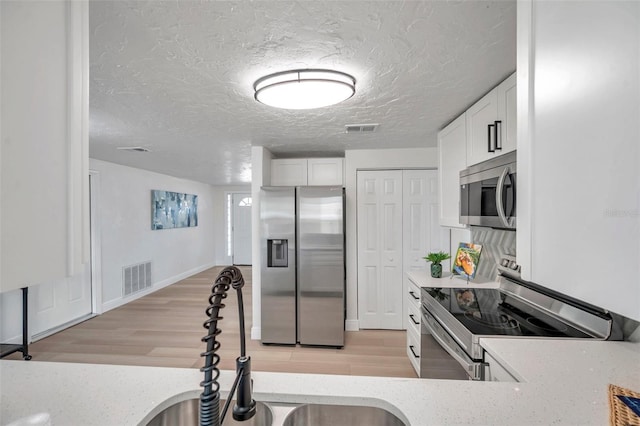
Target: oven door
(441, 357)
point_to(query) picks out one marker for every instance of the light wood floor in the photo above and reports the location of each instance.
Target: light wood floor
(165, 328)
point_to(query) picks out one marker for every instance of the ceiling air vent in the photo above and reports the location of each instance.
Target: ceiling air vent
(361, 128)
(134, 148)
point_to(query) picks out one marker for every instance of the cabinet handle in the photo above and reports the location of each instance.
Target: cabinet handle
(413, 319)
(490, 136)
(415, 355)
(414, 295)
(498, 135)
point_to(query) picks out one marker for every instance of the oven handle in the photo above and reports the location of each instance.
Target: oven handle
(499, 192)
(467, 363)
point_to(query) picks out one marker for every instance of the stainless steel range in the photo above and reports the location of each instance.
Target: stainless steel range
(455, 319)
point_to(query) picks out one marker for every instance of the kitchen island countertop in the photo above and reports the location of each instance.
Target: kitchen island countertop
(566, 383)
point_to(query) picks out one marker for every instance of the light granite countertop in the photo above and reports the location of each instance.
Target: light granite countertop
(423, 278)
(565, 383)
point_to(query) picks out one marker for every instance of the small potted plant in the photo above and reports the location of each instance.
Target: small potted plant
(436, 259)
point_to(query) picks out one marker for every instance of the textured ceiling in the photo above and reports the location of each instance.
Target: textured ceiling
(176, 77)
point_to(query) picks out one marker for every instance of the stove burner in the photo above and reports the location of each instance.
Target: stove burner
(544, 326)
(499, 321)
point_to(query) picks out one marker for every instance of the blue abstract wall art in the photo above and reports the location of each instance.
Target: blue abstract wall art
(173, 210)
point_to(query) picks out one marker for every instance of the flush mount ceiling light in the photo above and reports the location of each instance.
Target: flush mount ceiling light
(304, 89)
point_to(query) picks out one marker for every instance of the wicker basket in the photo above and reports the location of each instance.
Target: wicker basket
(619, 413)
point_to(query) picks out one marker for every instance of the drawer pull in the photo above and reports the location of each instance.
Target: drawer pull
(414, 295)
(414, 320)
(413, 352)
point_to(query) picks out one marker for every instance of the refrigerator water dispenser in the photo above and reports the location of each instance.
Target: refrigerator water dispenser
(277, 253)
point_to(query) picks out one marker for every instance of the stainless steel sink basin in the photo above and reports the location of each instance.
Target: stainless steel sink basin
(333, 415)
(186, 413)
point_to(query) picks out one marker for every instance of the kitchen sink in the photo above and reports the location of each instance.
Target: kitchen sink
(330, 415)
(186, 413)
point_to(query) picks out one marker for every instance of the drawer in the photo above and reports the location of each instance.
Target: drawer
(413, 318)
(413, 349)
(413, 295)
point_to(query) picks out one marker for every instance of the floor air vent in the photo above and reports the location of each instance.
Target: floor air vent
(136, 278)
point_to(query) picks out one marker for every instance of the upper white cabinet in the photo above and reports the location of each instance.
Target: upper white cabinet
(452, 158)
(303, 171)
(44, 150)
(578, 150)
(491, 123)
(289, 172)
(325, 171)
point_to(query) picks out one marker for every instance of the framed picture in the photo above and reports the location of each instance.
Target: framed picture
(466, 261)
(173, 210)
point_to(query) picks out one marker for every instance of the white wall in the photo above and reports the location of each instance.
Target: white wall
(127, 238)
(372, 159)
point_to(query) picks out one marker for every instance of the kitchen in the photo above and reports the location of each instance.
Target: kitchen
(540, 236)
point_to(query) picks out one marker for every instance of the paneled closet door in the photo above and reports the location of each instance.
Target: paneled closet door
(421, 229)
(380, 290)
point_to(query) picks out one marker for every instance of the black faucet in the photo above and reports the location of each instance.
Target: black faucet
(245, 406)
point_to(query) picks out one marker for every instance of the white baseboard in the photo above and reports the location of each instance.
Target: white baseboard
(116, 303)
(256, 333)
(352, 325)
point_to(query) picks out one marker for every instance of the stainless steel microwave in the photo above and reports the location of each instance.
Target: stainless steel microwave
(488, 193)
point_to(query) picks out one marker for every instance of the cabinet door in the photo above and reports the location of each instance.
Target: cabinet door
(325, 171)
(507, 114)
(482, 114)
(452, 158)
(379, 195)
(289, 172)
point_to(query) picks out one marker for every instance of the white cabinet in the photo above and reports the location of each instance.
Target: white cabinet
(452, 158)
(491, 124)
(578, 151)
(413, 318)
(289, 172)
(506, 92)
(44, 152)
(496, 372)
(325, 171)
(303, 171)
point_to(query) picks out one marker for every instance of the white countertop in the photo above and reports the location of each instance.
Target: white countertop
(566, 383)
(423, 278)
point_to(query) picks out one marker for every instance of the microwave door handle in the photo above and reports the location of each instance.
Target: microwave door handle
(499, 192)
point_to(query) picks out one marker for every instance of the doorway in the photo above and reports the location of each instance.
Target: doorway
(241, 228)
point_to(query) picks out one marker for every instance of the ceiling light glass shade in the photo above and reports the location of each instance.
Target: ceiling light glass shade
(304, 89)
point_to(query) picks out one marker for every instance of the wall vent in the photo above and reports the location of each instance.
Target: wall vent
(361, 128)
(136, 278)
(134, 148)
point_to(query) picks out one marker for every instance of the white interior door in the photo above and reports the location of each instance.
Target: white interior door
(58, 304)
(241, 228)
(421, 229)
(379, 212)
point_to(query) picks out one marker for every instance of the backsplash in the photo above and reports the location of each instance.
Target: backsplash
(495, 243)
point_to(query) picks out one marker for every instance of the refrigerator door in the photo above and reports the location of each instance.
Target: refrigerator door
(278, 270)
(321, 270)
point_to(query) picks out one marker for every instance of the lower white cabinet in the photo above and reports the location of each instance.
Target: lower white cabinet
(496, 372)
(414, 319)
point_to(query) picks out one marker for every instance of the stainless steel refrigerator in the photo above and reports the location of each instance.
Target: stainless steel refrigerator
(303, 268)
